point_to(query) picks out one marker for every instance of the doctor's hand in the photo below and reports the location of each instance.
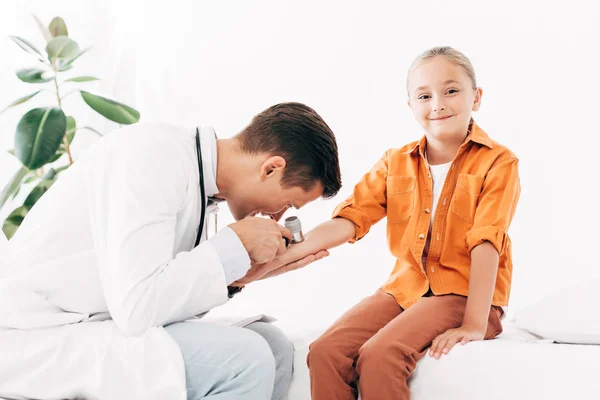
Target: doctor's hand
(262, 238)
(277, 267)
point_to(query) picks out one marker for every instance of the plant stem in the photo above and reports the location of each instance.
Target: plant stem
(71, 92)
(65, 139)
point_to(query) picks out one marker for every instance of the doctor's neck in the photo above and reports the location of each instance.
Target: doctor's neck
(234, 166)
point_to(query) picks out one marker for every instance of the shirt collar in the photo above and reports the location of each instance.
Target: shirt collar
(208, 144)
(476, 135)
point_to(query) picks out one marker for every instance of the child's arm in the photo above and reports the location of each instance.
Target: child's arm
(484, 267)
(326, 236)
(486, 241)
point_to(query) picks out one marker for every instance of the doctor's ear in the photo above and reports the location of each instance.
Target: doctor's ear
(272, 165)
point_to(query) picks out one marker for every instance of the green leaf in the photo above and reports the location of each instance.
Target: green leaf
(28, 47)
(35, 75)
(15, 194)
(83, 79)
(19, 101)
(111, 109)
(58, 27)
(62, 47)
(61, 169)
(57, 156)
(31, 178)
(13, 185)
(71, 129)
(39, 134)
(14, 220)
(89, 128)
(50, 175)
(66, 64)
(38, 191)
(45, 31)
(69, 134)
(64, 68)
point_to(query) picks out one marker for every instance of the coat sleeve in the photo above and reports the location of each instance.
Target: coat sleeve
(134, 195)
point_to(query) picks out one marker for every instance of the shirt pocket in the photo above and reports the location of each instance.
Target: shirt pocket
(400, 197)
(466, 196)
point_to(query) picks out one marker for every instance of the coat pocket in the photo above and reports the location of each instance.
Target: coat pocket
(466, 196)
(400, 197)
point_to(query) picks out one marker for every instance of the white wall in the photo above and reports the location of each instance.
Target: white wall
(219, 63)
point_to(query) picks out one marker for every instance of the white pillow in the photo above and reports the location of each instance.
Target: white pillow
(570, 315)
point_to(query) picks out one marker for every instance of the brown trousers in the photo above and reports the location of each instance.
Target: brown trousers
(374, 347)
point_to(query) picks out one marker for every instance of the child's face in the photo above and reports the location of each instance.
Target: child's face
(442, 98)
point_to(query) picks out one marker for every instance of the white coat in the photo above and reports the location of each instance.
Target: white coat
(102, 261)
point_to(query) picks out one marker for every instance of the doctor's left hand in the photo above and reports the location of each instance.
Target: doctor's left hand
(275, 267)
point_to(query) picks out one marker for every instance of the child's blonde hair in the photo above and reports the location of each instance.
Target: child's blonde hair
(451, 55)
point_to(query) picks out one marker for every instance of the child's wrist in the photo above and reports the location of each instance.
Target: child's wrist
(475, 324)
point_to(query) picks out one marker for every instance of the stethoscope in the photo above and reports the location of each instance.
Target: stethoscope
(202, 192)
(231, 290)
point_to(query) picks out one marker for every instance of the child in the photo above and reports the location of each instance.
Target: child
(449, 199)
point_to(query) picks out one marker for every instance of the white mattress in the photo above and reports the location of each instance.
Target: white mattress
(514, 366)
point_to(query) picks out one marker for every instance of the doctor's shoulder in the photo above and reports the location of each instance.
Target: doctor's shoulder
(151, 131)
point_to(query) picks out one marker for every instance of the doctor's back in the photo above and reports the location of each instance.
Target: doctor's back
(58, 247)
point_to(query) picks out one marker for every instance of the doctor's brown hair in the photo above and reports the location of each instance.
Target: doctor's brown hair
(297, 133)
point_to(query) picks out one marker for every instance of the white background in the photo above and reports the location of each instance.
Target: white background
(221, 62)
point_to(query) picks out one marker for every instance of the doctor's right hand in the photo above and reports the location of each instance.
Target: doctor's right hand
(262, 238)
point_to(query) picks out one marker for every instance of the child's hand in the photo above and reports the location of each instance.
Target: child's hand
(297, 264)
(277, 267)
(446, 341)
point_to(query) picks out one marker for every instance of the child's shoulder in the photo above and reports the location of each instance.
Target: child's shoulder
(488, 145)
(504, 150)
(404, 151)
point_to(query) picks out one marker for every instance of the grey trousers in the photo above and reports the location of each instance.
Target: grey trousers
(230, 363)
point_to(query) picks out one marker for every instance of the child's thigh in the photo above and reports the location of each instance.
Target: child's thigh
(415, 328)
(360, 323)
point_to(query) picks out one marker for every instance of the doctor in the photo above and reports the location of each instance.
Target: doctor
(95, 284)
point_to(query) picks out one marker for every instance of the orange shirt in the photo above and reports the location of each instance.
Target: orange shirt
(477, 204)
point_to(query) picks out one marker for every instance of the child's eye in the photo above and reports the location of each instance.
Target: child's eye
(452, 91)
(424, 97)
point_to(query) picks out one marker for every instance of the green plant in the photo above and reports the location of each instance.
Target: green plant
(44, 135)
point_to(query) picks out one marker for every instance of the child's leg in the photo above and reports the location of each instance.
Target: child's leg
(386, 361)
(331, 356)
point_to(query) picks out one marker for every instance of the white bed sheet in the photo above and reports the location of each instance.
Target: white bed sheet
(516, 365)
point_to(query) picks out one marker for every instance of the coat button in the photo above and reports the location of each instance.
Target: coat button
(421, 236)
(427, 211)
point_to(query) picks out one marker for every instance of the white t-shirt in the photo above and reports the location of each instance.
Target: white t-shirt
(438, 177)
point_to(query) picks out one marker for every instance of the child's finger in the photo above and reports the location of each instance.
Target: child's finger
(440, 346)
(435, 344)
(450, 344)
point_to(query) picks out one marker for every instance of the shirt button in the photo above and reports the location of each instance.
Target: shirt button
(421, 236)
(432, 269)
(429, 176)
(427, 211)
